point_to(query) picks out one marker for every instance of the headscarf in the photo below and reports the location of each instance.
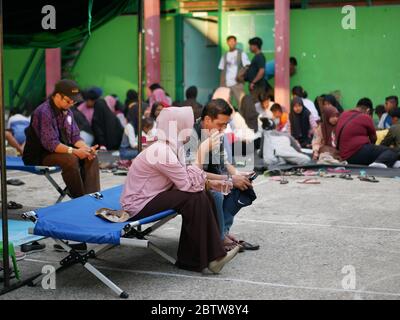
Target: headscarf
(222, 93)
(158, 95)
(299, 122)
(326, 127)
(87, 112)
(111, 102)
(175, 125)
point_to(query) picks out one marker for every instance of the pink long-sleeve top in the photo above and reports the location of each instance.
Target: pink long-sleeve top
(155, 170)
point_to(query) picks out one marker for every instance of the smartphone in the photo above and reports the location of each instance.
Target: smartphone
(253, 177)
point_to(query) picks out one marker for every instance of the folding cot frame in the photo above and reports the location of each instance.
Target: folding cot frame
(16, 163)
(131, 236)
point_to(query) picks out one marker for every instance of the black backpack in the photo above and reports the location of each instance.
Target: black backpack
(33, 151)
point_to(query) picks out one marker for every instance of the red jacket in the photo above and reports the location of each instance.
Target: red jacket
(356, 133)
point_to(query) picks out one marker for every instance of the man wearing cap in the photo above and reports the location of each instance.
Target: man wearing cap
(53, 139)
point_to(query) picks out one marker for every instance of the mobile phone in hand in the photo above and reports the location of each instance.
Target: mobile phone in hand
(253, 177)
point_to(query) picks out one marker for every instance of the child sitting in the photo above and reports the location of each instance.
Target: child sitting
(129, 145)
(280, 118)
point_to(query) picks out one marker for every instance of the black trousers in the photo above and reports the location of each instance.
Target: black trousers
(200, 241)
(370, 153)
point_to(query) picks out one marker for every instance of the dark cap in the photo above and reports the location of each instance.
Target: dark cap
(68, 88)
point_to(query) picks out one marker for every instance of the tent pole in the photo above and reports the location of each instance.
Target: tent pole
(140, 72)
(4, 213)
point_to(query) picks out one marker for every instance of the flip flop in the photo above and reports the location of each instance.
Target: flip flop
(346, 176)
(14, 206)
(15, 182)
(309, 181)
(368, 179)
(248, 246)
(339, 170)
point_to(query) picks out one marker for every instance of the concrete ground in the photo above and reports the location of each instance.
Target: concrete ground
(336, 240)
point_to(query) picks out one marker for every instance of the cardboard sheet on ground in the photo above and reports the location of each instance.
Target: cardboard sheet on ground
(18, 232)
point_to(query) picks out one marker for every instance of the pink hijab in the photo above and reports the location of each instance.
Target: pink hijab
(87, 112)
(111, 103)
(159, 95)
(174, 126)
(222, 93)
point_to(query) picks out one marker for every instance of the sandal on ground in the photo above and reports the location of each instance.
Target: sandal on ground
(339, 170)
(368, 179)
(15, 182)
(248, 246)
(309, 181)
(14, 206)
(346, 176)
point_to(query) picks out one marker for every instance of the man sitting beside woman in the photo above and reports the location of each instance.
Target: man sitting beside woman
(159, 179)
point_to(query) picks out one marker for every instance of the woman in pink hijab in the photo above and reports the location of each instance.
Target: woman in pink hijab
(159, 180)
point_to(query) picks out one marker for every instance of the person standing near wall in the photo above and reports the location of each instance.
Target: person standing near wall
(230, 65)
(256, 72)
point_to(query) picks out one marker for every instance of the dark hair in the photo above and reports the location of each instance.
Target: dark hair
(93, 93)
(365, 103)
(154, 108)
(265, 96)
(393, 98)
(191, 92)
(215, 108)
(380, 109)
(14, 111)
(293, 61)
(276, 107)
(299, 91)
(231, 37)
(333, 101)
(155, 86)
(131, 96)
(256, 42)
(395, 113)
(147, 122)
(295, 101)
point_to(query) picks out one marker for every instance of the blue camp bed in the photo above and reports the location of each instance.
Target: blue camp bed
(16, 163)
(75, 220)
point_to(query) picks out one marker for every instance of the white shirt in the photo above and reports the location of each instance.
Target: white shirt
(311, 107)
(232, 66)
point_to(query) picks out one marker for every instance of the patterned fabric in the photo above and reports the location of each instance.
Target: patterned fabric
(54, 126)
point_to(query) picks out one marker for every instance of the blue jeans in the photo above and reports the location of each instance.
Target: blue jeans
(225, 218)
(128, 153)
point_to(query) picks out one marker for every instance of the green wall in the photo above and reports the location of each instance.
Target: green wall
(14, 63)
(109, 59)
(361, 62)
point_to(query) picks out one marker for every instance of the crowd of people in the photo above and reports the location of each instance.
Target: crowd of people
(187, 162)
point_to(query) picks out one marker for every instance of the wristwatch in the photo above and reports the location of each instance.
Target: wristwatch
(70, 150)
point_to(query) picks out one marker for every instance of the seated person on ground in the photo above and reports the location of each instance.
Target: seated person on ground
(302, 123)
(85, 128)
(263, 106)
(330, 100)
(129, 144)
(159, 180)
(90, 96)
(155, 110)
(215, 118)
(280, 118)
(156, 93)
(324, 141)
(299, 92)
(116, 108)
(356, 136)
(391, 103)
(191, 101)
(392, 138)
(106, 127)
(379, 111)
(53, 139)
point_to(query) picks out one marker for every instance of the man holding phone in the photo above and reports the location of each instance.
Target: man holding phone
(53, 139)
(213, 122)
